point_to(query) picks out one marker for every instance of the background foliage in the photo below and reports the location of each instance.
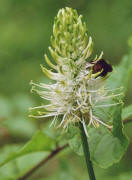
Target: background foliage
(25, 31)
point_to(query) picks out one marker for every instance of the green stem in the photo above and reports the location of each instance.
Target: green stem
(87, 153)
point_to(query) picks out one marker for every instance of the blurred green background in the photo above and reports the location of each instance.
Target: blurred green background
(25, 30)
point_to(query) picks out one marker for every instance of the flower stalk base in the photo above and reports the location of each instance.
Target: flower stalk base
(86, 152)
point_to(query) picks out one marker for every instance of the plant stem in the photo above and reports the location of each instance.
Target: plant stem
(87, 153)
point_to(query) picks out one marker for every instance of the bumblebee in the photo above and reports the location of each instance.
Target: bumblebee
(101, 66)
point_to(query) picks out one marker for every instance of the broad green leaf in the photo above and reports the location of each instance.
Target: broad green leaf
(39, 142)
(106, 146)
(112, 144)
(106, 149)
(127, 112)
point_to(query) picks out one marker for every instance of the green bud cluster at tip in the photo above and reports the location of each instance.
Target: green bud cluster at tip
(70, 39)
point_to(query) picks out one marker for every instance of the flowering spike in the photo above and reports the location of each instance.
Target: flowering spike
(79, 87)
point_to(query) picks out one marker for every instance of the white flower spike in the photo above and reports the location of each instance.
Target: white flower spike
(79, 86)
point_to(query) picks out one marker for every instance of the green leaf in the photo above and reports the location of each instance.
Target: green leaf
(18, 167)
(106, 146)
(117, 130)
(106, 149)
(111, 145)
(121, 74)
(127, 112)
(39, 142)
(76, 144)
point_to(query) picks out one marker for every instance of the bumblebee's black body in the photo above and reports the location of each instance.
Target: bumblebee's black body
(101, 65)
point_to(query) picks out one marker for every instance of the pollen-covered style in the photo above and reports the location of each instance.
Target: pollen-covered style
(79, 80)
